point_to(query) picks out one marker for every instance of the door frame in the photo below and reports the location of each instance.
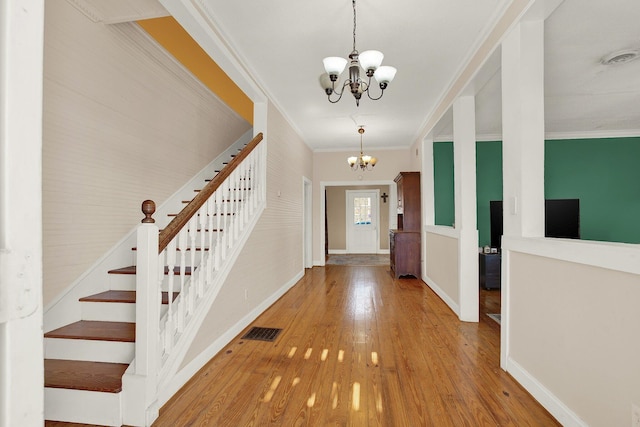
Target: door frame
(393, 208)
(307, 224)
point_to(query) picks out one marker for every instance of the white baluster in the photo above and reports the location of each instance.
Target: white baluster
(204, 216)
(159, 279)
(225, 220)
(171, 264)
(210, 234)
(182, 247)
(241, 196)
(254, 184)
(219, 227)
(193, 227)
(245, 191)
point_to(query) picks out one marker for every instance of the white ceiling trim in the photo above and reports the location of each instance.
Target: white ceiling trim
(552, 136)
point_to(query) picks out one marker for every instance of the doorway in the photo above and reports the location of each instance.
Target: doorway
(362, 221)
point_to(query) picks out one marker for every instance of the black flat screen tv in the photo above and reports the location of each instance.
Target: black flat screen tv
(562, 219)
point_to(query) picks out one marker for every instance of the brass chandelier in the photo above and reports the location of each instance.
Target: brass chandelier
(369, 60)
(361, 162)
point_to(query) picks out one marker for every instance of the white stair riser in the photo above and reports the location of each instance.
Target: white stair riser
(108, 311)
(112, 311)
(122, 282)
(127, 282)
(91, 350)
(79, 406)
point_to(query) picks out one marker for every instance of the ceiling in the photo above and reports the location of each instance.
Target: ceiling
(282, 44)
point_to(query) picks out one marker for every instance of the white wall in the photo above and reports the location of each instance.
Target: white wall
(123, 122)
(441, 260)
(574, 324)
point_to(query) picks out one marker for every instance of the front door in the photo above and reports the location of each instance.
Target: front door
(362, 221)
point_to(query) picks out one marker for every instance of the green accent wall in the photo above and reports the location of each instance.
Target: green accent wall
(603, 173)
(443, 183)
(488, 184)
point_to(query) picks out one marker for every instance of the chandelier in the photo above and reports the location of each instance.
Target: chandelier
(369, 60)
(361, 162)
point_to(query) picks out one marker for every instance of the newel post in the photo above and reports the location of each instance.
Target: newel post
(148, 300)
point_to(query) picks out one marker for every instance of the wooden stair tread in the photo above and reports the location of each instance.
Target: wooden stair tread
(83, 375)
(122, 296)
(199, 229)
(132, 270)
(215, 214)
(135, 248)
(223, 200)
(96, 330)
(242, 189)
(217, 172)
(51, 423)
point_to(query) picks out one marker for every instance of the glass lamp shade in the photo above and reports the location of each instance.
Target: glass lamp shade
(366, 159)
(352, 160)
(325, 81)
(385, 74)
(370, 59)
(334, 65)
(373, 161)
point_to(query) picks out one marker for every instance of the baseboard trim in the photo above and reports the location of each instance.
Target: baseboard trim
(551, 403)
(181, 377)
(454, 306)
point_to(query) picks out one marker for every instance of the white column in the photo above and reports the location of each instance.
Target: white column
(21, 339)
(427, 198)
(426, 183)
(464, 158)
(522, 149)
(523, 130)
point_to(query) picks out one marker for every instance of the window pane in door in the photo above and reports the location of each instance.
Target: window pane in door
(362, 210)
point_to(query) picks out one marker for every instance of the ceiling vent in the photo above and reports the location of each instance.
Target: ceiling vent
(620, 57)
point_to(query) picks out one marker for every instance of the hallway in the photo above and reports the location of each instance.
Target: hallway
(358, 348)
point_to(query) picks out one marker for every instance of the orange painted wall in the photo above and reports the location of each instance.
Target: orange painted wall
(168, 32)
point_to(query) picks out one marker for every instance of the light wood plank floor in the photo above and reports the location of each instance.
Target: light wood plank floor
(359, 348)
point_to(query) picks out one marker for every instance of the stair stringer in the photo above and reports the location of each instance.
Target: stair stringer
(134, 388)
(66, 309)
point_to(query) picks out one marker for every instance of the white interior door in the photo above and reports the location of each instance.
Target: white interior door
(362, 221)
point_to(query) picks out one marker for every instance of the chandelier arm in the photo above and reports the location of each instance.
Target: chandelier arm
(333, 102)
(337, 93)
(375, 99)
(369, 93)
(344, 85)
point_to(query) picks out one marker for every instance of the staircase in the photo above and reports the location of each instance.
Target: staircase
(96, 372)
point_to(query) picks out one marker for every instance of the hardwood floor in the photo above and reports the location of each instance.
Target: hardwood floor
(359, 348)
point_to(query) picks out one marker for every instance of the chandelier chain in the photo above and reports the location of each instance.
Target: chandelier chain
(354, 24)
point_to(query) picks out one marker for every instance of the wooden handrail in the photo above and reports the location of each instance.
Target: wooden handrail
(171, 230)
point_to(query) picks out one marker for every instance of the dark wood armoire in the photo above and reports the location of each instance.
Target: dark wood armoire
(404, 242)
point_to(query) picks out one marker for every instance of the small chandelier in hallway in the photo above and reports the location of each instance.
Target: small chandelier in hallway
(369, 60)
(362, 162)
